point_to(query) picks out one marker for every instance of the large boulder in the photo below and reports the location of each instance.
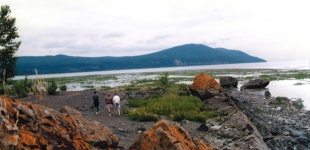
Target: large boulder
(166, 136)
(29, 126)
(227, 81)
(205, 87)
(255, 84)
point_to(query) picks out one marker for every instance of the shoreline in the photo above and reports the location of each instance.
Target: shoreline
(255, 106)
(281, 125)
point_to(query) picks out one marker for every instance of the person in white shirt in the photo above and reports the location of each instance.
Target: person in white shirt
(117, 105)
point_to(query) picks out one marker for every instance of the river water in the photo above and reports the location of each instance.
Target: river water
(291, 88)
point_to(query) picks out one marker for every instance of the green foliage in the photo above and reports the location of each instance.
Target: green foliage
(298, 104)
(8, 45)
(268, 77)
(301, 76)
(52, 87)
(281, 100)
(170, 105)
(131, 88)
(21, 88)
(63, 87)
(163, 81)
(137, 103)
(140, 115)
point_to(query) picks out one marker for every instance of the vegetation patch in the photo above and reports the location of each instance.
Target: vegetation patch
(298, 104)
(170, 105)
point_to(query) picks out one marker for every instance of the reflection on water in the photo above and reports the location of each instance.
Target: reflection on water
(292, 89)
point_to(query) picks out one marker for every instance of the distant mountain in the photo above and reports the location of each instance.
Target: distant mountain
(184, 55)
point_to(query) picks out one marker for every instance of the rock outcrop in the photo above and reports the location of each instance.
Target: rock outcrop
(228, 81)
(255, 84)
(29, 126)
(204, 86)
(282, 125)
(233, 130)
(166, 136)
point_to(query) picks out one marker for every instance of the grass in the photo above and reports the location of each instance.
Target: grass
(298, 104)
(170, 105)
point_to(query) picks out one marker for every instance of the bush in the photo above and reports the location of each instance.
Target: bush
(281, 100)
(63, 87)
(163, 81)
(298, 104)
(52, 87)
(20, 88)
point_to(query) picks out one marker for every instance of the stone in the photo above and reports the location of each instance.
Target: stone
(164, 135)
(203, 127)
(255, 84)
(267, 94)
(31, 126)
(205, 87)
(227, 81)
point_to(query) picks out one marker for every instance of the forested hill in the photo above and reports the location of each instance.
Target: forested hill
(184, 55)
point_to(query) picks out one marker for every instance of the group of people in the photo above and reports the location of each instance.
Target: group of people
(112, 102)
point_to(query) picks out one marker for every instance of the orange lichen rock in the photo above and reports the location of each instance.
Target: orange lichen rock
(205, 86)
(166, 136)
(29, 126)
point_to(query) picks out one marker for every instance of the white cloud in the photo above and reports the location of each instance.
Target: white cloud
(272, 30)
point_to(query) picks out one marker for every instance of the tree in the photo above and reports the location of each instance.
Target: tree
(8, 45)
(163, 81)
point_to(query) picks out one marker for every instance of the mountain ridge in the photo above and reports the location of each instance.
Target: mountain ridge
(183, 55)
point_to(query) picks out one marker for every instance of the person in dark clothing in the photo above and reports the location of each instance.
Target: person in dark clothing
(96, 102)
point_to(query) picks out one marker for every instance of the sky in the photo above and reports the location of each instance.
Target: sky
(273, 30)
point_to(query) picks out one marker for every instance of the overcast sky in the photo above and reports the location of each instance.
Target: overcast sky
(270, 29)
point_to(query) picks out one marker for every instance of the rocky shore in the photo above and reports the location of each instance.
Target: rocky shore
(283, 127)
(248, 120)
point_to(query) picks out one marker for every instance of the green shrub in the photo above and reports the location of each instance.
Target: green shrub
(281, 100)
(52, 87)
(163, 81)
(20, 88)
(298, 104)
(63, 87)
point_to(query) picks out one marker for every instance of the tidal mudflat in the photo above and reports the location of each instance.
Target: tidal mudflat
(293, 84)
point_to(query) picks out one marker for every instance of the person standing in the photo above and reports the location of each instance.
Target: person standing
(117, 105)
(109, 102)
(96, 102)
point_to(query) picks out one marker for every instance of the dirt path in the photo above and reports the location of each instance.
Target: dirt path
(125, 129)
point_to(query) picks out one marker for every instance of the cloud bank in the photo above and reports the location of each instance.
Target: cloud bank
(272, 30)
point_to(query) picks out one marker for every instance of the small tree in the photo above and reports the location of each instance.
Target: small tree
(52, 88)
(8, 47)
(163, 81)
